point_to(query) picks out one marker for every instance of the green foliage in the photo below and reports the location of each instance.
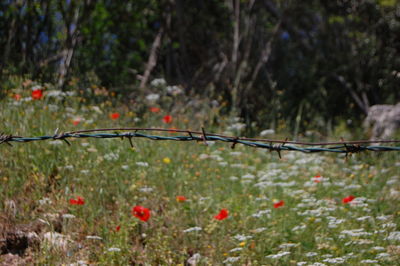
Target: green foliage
(331, 59)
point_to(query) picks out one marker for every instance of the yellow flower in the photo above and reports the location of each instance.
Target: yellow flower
(242, 244)
(167, 160)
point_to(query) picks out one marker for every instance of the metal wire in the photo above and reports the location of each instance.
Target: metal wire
(346, 147)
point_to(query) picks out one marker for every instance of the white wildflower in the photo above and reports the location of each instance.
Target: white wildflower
(152, 97)
(53, 107)
(238, 165)
(389, 225)
(259, 230)
(146, 189)
(94, 237)
(369, 261)
(235, 249)
(267, 132)
(231, 259)
(394, 236)
(248, 176)
(262, 213)
(96, 109)
(216, 157)
(299, 227)
(193, 229)
(201, 199)
(143, 164)
(174, 90)
(203, 156)
(45, 201)
(354, 232)
(263, 198)
(111, 156)
(236, 153)
(56, 240)
(70, 110)
(242, 238)
(80, 263)
(382, 255)
(195, 259)
(337, 260)
(384, 217)
(353, 186)
(236, 127)
(68, 216)
(364, 218)
(350, 255)
(378, 248)
(112, 249)
(288, 245)
(278, 255)
(56, 142)
(158, 82)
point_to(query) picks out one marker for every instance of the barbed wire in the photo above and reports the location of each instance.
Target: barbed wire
(346, 147)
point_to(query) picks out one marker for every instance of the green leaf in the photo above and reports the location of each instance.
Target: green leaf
(387, 3)
(336, 19)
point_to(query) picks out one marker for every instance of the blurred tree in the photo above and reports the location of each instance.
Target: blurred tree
(307, 63)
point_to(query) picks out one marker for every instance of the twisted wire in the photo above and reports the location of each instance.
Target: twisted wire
(346, 147)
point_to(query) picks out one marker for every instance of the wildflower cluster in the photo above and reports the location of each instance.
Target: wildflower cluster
(164, 203)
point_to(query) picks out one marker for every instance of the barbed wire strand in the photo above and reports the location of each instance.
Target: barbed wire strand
(346, 147)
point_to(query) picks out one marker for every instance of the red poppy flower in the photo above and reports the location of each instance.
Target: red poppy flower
(317, 179)
(117, 228)
(167, 119)
(141, 213)
(76, 122)
(37, 94)
(154, 109)
(222, 214)
(348, 199)
(78, 201)
(114, 116)
(279, 204)
(181, 198)
(17, 97)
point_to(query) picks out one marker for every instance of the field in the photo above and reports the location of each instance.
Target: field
(195, 203)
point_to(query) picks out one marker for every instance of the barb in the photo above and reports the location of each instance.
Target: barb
(5, 138)
(345, 147)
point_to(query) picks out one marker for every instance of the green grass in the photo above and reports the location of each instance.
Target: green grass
(106, 174)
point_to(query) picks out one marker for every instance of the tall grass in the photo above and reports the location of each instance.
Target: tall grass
(313, 225)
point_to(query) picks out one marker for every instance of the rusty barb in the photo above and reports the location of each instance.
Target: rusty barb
(344, 147)
(5, 139)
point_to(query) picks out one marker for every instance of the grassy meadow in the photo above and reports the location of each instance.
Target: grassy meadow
(74, 205)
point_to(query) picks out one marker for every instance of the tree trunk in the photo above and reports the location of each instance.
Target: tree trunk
(70, 43)
(152, 61)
